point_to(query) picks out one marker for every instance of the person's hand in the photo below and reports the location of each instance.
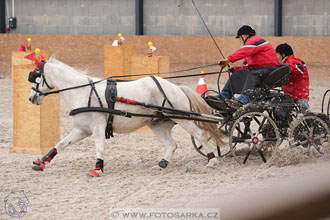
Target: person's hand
(231, 69)
(224, 63)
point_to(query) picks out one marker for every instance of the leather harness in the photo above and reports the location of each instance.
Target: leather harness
(111, 95)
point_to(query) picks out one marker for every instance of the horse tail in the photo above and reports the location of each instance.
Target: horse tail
(197, 104)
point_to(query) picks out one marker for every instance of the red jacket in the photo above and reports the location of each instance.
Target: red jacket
(257, 51)
(298, 86)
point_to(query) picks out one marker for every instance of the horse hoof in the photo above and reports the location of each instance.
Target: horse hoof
(163, 163)
(38, 166)
(93, 173)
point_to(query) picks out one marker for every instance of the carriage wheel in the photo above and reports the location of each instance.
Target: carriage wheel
(224, 151)
(200, 149)
(253, 136)
(310, 132)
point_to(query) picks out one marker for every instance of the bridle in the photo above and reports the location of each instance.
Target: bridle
(38, 76)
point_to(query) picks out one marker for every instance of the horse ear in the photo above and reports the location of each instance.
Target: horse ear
(52, 57)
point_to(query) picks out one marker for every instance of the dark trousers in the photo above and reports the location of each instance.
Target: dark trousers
(245, 79)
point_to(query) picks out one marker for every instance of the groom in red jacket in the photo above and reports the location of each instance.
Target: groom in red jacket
(260, 60)
(298, 86)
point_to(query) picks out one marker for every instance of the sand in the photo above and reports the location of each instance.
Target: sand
(64, 191)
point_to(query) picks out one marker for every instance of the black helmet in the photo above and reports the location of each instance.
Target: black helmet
(285, 49)
(245, 30)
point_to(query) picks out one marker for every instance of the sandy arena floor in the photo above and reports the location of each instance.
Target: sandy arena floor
(64, 191)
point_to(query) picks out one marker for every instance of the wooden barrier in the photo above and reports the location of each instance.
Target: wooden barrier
(146, 65)
(117, 60)
(36, 128)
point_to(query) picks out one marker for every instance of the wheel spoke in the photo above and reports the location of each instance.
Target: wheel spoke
(318, 149)
(248, 153)
(262, 156)
(239, 131)
(262, 124)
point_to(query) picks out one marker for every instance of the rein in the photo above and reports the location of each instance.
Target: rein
(175, 71)
(66, 89)
(89, 84)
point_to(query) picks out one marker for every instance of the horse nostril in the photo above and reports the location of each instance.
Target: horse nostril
(30, 99)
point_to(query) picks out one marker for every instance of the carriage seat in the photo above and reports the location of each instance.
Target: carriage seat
(277, 78)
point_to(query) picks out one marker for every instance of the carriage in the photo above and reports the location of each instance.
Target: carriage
(258, 128)
(250, 133)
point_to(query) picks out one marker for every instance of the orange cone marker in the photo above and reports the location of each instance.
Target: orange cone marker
(201, 86)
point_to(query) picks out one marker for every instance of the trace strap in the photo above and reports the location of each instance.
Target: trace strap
(129, 114)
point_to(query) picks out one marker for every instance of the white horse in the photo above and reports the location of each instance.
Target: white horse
(59, 76)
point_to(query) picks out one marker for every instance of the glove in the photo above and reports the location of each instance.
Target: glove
(231, 69)
(224, 63)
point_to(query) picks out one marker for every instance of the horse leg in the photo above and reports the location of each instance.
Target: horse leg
(202, 138)
(163, 132)
(99, 140)
(74, 136)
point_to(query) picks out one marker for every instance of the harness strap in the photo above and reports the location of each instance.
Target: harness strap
(162, 91)
(42, 73)
(129, 114)
(110, 96)
(91, 92)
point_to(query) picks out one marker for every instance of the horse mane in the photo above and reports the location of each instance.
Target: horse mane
(60, 64)
(197, 104)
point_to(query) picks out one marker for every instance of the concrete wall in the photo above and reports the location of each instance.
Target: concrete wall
(224, 17)
(74, 16)
(306, 18)
(170, 17)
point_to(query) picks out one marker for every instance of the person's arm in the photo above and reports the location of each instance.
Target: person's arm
(242, 53)
(297, 68)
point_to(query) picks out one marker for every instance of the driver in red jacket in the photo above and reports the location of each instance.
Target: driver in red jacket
(260, 59)
(298, 86)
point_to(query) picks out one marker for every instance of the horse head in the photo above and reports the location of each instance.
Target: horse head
(40, 86)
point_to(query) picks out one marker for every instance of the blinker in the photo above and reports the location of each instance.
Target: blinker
(34, 77)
